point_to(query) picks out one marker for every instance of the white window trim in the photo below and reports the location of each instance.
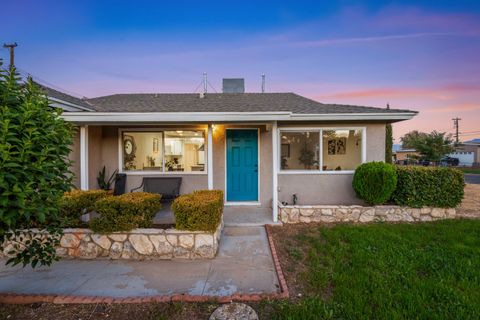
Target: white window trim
(320, 131)
(150, 172)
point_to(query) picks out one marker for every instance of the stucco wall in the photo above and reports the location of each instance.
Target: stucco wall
(331, 188)
(75, 157)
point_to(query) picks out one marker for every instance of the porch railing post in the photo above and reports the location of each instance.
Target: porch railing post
(275, 171)
(84, 157)
(210, 157)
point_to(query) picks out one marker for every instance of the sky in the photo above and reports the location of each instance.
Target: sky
(418, 55)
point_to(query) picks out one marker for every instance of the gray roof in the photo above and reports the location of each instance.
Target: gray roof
(53, 93)
(225, 102)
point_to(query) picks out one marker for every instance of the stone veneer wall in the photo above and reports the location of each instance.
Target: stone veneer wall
(330, 214)
(138, 244)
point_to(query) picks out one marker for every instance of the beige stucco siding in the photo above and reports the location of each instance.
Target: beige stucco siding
(74, 156)
(331, 188)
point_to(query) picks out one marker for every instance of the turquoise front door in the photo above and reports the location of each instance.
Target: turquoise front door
(242, 165)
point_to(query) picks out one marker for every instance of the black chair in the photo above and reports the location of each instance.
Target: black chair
(120, 184)
(168, 187)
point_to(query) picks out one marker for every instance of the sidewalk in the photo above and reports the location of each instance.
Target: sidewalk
(243, 265)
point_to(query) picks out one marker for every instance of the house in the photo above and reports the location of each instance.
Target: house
(468, 153)
(403, 155)
(260, 148)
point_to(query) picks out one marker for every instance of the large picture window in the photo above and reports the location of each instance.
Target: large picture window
(321, 150)
(163, 151)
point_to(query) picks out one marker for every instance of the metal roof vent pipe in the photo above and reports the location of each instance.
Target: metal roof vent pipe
(233, 85)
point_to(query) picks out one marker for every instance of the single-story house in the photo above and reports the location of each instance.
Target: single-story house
(405, 154)
(468, 153)
(260, 148)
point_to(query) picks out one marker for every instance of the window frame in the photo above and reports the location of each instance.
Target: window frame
(121, 131)
(319, 130)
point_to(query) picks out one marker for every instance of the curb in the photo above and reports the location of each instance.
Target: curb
(13, 298)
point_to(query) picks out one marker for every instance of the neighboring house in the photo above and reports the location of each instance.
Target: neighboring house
(468, 153)
(260, 148)
(406, 154)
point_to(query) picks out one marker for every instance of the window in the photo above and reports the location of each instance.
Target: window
(320, 149)
(163, 151)
(300, 151)
(342, 149)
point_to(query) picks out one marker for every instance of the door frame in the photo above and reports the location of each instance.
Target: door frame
(242, 203)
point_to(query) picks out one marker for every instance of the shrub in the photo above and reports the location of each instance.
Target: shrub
(375, 182)
(77, 202)
(428, 186)
(34, 167)
(199, 211)
(125, 212)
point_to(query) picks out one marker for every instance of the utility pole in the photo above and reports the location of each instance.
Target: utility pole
(11, 48)
(455, 125)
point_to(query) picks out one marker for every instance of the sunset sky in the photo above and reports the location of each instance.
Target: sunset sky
(420, 55)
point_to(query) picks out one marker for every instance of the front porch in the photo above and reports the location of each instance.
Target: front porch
(203, 155)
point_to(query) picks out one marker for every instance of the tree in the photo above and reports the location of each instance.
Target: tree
(388, 143)
(34, 168)
(432, 146)
(409, 140)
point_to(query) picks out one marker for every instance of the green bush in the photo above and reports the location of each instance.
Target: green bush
(199, 211)
(428, 187)
(77, 202)
(375, 182)
(125, 212)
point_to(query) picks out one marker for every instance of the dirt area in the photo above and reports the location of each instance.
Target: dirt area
(470, 207)
(44, 311)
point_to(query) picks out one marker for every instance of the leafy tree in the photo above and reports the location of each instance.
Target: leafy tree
(388, 143)
(432, 146)
(409, 140)
(34, 169)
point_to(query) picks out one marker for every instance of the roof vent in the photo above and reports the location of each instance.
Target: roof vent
(201, 95)
(234, 85)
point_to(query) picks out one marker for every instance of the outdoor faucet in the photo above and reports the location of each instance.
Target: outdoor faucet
(294, 199)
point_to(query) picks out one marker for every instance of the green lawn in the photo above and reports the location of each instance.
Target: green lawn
(384, 271)
(470, 170)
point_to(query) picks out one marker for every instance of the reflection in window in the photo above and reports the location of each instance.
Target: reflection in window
(342, 149)
(170, 151)
(184, 151)
(299, 151)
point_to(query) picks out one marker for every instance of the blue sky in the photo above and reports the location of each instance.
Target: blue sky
(421, 55)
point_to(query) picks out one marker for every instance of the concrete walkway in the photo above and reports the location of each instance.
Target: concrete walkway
(243, 265)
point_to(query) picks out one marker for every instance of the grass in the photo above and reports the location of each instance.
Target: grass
(470, 170)
(385, 271)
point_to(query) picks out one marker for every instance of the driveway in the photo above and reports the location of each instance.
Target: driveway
(243, 265)
(472, 178)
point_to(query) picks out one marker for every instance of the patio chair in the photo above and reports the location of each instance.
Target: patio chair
(120, 183)
(168, 187)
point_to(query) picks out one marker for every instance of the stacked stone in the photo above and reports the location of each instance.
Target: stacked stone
(331, 214)
(138, 244)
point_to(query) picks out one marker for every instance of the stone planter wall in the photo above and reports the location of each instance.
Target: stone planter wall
(331, 214)
(138, 244)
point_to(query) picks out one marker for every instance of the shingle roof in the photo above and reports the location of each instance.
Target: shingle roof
(224, 102)
(52, 93)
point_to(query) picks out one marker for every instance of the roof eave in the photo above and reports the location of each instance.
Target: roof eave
(106, 117)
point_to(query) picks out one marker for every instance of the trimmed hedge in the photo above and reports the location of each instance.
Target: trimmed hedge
(375, 182)
(428, 187)
(125, 212)
(75, 203)
(199, 211)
